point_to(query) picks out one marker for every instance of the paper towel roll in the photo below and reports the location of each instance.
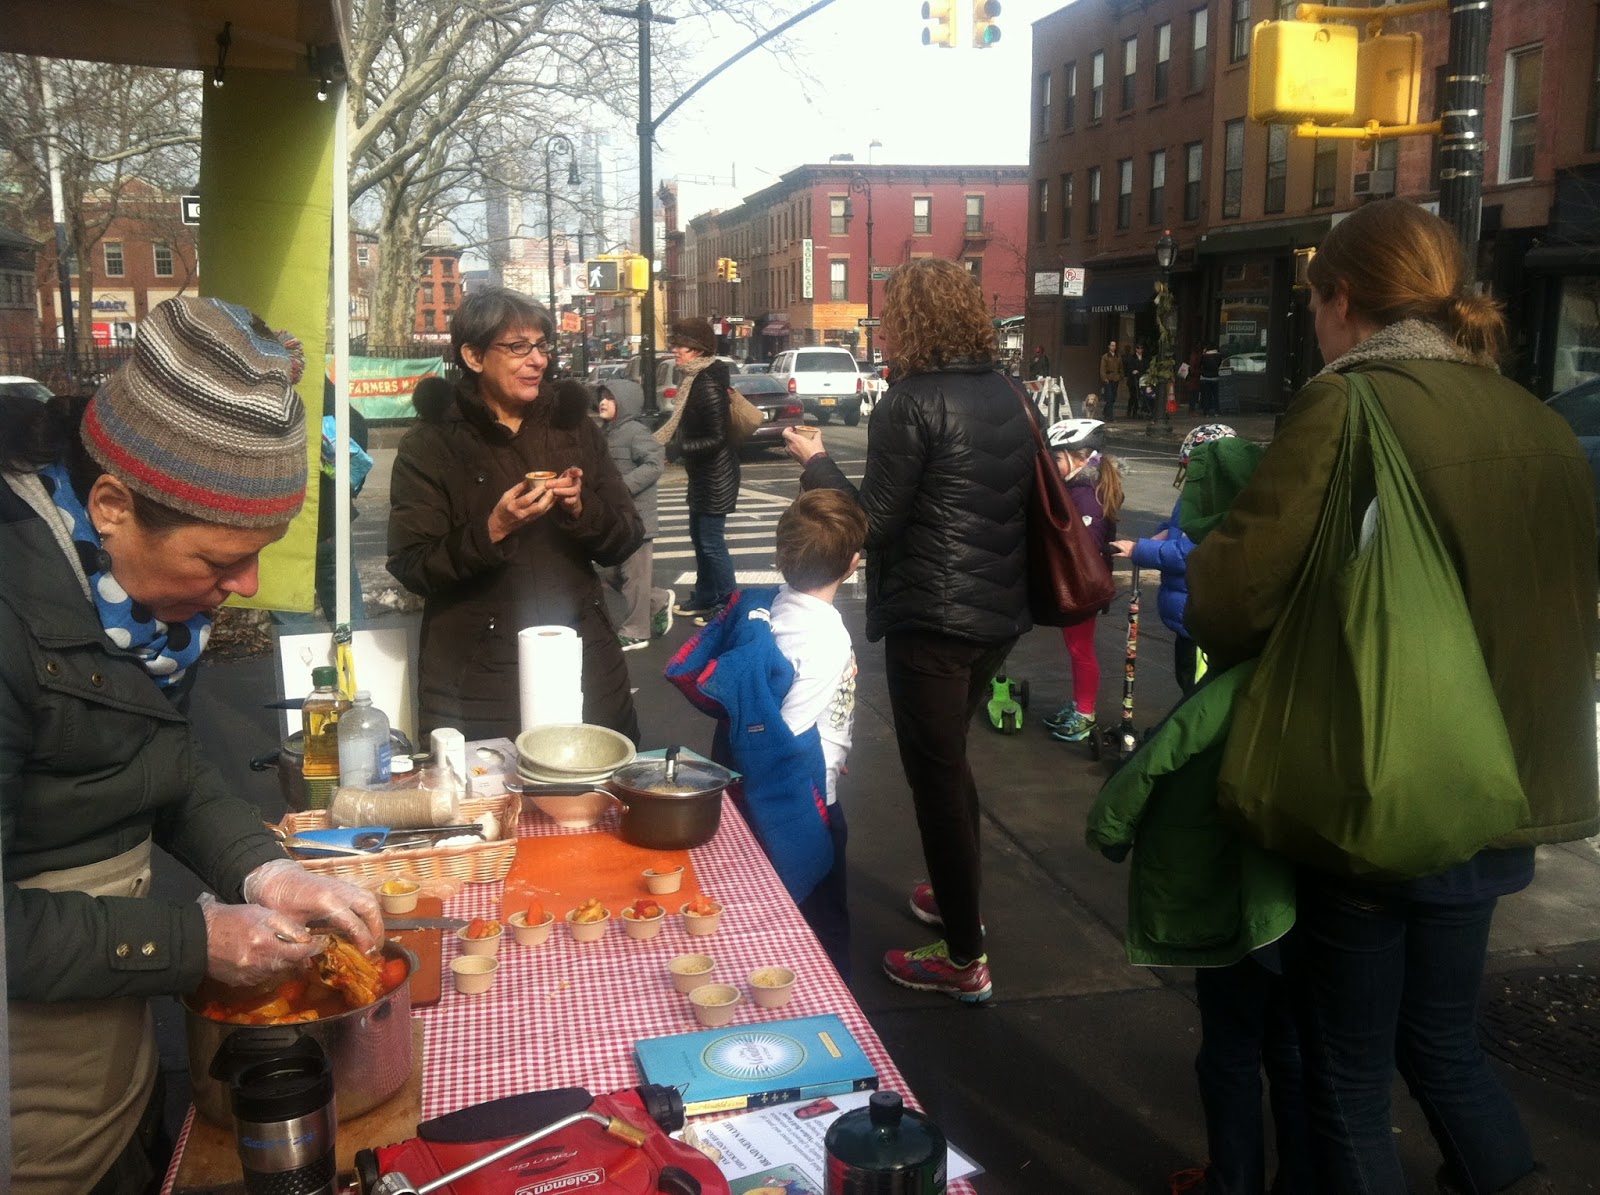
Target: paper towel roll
(550, 675)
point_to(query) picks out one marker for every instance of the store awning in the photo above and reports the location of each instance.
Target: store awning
(1116, 292)
(775, 325)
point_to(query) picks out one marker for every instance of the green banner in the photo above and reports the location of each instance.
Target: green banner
(381, 387)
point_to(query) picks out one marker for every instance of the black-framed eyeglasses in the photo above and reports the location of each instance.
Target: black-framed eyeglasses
(521, 348)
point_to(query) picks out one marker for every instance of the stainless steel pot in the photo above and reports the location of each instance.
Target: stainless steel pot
(369, 1049)
(668, 804)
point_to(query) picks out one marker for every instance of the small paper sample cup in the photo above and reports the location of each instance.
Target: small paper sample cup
(531, 935)
(714, 1004)
(771, 987)
(642, 929)
(660, 883)
(398, 897)
(489, 946)
(538, 480)
(808, 431)
(588, 931)
(700, 925)
(690, 971)
(474, 973)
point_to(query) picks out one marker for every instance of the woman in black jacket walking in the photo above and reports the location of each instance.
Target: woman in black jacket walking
(699, 430)
(946, 488)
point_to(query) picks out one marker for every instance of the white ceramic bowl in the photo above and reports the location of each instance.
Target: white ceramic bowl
(582, 750)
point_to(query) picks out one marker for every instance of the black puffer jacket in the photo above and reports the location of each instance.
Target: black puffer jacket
(708, 458)
(451, 469)
(949, 473)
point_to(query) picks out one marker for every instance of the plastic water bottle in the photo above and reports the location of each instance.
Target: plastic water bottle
(363, 744)
(319, 721)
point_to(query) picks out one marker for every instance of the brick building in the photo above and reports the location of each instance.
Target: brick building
(19, 302)
(801, 248)
(1139, 125)
(438, 291)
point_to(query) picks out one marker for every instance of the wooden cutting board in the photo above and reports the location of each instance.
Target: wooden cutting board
(427, 981)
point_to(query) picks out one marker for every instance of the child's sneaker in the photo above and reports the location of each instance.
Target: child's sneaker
(930, 970)
(706, 617)
(1075, 729)
(688, 609)
(661, 620)
(1061, 717)
(632, 644)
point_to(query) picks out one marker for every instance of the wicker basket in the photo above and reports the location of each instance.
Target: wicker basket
(480, 863)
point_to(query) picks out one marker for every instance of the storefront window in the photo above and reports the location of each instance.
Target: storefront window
(1578, 333)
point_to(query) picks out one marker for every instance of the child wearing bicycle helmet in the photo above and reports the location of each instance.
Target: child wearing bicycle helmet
(1094, 482)
(1167, 551)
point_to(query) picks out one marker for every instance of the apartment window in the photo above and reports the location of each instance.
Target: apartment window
(1194, 164)
(1097, 85)
(1158, 187)
(1277, 168)
(1041, 212)
(836, 216)
(1069, 95)
(1239, 44)
(1163, 62)
(1092, 223)
(975, 268)
(1325, 172)
(427, 319)
(449, 289)
(16, 289)
(1044, 103)
(447, 267)
(115, 266)
(1066, 207)
(1130, 68)
(974, 213)
(922, 215)
(1524, 73)
(1199, 33)
(427, 292)
(363, 256)
(163, 260)
(1124, 192)
(839, 280)
(1232, 167)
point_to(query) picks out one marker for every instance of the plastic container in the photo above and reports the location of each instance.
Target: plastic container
(448, 746)
(319, 722)
(364, 752)
(397, 808)
(885, 1149)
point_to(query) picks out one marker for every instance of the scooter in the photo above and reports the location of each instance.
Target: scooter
(1116, 743)
(1008, 700)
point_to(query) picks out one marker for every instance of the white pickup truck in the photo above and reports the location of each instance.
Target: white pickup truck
(825, 380)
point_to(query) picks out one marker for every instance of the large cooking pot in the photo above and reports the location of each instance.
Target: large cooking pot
(369, 1048)
(669, 804)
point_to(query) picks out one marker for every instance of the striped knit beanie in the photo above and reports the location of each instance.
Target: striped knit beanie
(204, 417)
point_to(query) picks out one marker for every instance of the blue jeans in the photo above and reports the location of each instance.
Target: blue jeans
(1246, 1024)
(713, 576)
(1380, 981)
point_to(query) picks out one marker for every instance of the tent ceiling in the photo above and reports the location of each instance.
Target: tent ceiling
(266, 35)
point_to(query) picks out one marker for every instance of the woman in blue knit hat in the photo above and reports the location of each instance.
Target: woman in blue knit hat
(125, 521)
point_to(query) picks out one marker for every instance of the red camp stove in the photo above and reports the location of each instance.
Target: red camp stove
(548, 1143)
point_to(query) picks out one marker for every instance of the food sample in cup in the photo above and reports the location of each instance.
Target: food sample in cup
(661, 879)
(474, 973)
(806, 430)
(537, 480)
(587, 922)
(531, 927)
(701, 916)
(771, 987)
(714, 1004)
(480, 937)
(642, 919)
(690, 971)
(398, 896)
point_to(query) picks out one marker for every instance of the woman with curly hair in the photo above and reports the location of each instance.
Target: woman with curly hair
(949, 465)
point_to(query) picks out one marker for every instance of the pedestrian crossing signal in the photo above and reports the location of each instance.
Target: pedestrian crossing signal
(984, 30)
(602, 277)
(939, 28)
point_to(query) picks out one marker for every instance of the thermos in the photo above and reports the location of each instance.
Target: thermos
(885, 1149)
(283, 1113)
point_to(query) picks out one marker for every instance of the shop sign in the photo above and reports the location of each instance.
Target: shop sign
(807, 267)
(1047, 282)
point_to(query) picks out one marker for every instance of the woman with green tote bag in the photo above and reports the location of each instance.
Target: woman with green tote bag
(1407, 466)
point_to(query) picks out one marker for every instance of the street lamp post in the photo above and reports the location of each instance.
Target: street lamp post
(1166, 254)
(861, 184)
(563, 143)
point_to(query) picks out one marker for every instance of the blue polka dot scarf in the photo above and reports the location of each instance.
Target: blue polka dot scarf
(167, 649)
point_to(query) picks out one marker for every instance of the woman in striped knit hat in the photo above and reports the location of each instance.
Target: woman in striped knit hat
(125, 520)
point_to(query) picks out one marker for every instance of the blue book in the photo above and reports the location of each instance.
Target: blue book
(752, 1066)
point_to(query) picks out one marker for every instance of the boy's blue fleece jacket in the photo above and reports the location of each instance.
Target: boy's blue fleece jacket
(734, 671)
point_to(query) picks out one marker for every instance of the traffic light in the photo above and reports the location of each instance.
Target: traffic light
(984, 30)
(602, 277)
(939, 28)
(722, 269)
(733, 270)
(1302, 71)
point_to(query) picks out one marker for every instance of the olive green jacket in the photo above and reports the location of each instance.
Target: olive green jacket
(1513, 498)
(93, 760)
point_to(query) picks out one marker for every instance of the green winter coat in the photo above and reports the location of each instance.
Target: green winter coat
(1513, 498)
(94, 759)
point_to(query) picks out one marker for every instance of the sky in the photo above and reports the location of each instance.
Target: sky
(863, 75)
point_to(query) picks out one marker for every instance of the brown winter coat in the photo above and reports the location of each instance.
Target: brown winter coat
(1110, 368)
(451, 470)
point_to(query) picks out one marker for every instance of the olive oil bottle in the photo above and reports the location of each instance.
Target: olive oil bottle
(319, 720)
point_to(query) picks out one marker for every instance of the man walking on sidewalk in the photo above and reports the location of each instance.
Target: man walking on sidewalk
(1110, 379)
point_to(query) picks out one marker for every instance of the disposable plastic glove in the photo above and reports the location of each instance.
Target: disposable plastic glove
(289, 888)
(248, 944)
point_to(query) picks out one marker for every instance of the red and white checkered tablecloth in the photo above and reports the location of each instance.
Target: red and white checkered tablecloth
(565, 1014)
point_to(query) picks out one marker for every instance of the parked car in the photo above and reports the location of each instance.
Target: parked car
(825, 380)
(755, 367)
(779, 408)
(1580, 407)
(16, 386)
(669, 377)
(608, 369)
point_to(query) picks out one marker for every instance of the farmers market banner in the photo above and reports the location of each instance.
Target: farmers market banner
(380, 387)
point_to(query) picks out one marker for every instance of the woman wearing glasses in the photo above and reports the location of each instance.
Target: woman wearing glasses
(491, 553)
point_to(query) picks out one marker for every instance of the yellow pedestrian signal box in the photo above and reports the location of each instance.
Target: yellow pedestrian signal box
(635, 273)
(1302, 71)
(1388, 79)
(939, 28)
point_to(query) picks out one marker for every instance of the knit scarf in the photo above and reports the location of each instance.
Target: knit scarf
(165, 649)
(691, 369)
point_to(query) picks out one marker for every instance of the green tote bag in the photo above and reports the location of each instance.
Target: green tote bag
(1369, 743)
